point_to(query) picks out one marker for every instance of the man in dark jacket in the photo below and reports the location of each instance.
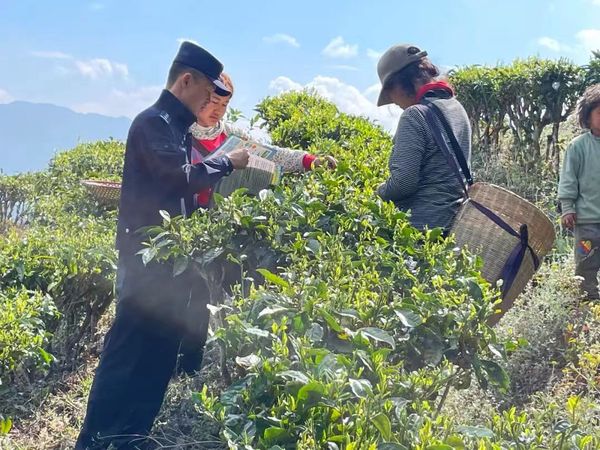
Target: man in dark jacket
(155, 311)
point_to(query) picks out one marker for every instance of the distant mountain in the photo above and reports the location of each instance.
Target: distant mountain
(32, 133)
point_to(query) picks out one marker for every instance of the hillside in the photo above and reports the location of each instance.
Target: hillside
(32, 133)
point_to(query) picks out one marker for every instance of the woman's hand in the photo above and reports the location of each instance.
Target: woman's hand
(327, 161)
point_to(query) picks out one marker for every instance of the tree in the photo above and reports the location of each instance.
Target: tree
(523, 97)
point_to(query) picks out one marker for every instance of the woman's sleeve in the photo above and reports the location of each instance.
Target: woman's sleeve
(406, 158)
(290, 160)
(236, 131)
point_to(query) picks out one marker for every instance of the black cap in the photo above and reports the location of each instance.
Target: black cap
(195, 57)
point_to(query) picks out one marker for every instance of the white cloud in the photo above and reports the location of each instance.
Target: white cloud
(5, 97)
(93, 68)
(550, 43)
(119, 103)
(51, 55)
(553, 44)
(62, 70)
(338, 48)
(372, 91)
(281, 38)
(347, 98)
(586, 41)
(595, 2)
(97, 6)
(100, 68)
(374, 54)
(283, 84)
(589, 39)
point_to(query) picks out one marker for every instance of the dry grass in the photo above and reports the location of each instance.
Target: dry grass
(49, 414)
(561, 359)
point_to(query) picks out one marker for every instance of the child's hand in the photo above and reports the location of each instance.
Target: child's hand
(568, 220)
(328, 161)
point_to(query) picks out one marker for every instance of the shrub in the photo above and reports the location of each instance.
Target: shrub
(73, 264)
(16, 199)
(523, 98)
(59, 190)
(23, 333)
(349, 326)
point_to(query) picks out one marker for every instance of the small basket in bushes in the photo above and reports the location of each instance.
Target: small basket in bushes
(511, 248)
(105, 192)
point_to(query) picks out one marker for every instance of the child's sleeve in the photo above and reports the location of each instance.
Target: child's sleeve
(568, 186)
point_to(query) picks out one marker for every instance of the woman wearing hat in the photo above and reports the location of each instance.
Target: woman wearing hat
(421, 179)
(210, 131)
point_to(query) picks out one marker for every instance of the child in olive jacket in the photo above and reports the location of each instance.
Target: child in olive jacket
(579, 192)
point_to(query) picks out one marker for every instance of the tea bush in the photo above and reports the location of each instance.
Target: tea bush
(65, 251)
(341, 326)
(23, 333)
(60, 190)
(355, 325)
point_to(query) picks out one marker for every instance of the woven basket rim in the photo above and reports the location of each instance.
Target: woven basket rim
(509, 192)
(102, 183)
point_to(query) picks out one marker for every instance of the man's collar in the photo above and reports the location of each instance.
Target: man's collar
(181, 116)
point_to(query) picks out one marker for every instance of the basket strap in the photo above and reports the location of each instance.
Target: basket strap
(458, 153)
(427, 114)
(515, 259)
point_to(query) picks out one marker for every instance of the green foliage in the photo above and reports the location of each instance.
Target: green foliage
(478, 89)
(72, 263)
(523, 97)
(5, 425)
(16, 193)
(65, 249)
(343, 327)
(102, 159)
(233, 115)
(541, 430)
(356, 324)
(593, 69)
(59, 190)
(22, 331)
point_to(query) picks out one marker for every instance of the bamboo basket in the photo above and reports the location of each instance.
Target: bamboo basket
(475, 231)
(105, 192)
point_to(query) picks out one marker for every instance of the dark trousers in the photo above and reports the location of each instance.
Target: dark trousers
(129, 386)
(587, 258)
(135, 367)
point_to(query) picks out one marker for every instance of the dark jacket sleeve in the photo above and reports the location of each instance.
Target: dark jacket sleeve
(165, 159)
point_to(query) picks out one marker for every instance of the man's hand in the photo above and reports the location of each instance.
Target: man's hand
(239, 158)
(569, 220)
(328, 161)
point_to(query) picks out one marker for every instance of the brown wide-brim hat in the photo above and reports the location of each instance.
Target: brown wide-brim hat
(392, 61)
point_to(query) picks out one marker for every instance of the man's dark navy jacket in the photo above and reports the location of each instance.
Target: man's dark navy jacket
(157, 175)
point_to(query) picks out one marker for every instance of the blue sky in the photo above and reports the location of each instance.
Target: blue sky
(111, 57)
